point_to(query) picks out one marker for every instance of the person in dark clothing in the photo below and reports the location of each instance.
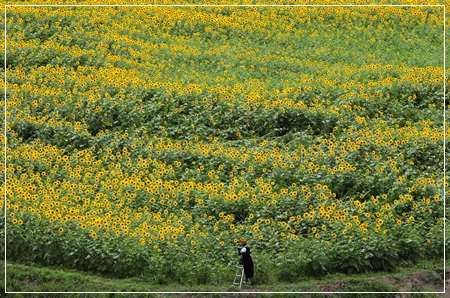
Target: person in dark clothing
(244, 251)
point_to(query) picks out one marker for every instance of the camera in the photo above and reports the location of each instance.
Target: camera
(241, 260)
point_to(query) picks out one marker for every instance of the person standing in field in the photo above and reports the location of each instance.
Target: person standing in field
(244, 251)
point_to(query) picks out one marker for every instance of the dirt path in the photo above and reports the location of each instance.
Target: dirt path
(426, 281)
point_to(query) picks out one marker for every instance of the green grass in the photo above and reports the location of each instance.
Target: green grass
(423, 277)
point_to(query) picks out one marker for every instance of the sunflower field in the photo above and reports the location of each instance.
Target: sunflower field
(149, 140)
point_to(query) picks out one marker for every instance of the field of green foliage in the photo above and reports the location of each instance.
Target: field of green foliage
(148, 140)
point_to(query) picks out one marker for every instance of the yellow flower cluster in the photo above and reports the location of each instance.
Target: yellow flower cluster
(358, 166)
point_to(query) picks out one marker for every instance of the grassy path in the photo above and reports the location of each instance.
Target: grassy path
(424, 277)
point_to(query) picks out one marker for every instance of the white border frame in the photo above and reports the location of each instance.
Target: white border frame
(220, 5)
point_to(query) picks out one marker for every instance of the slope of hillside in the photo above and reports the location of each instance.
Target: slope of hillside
(151, 139)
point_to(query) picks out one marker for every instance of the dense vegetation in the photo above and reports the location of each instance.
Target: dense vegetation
(149, 140)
